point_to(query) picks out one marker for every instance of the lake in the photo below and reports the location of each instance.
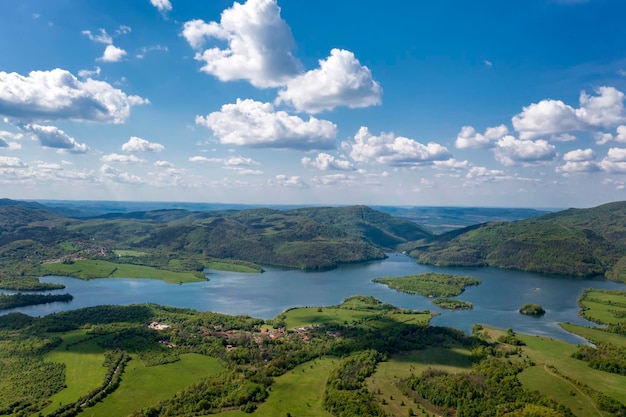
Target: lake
(496, 301)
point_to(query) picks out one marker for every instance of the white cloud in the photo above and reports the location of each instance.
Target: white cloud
(116, 175)
(7, 140)
(288, 181)
(621, 134)
(553, 116)
(392, 150)
(341, 80)
(488, 63)
(511, 151)
(255, 124)
(136, 144)
(245, 171)
(325, 162)
(259, 44)
(11, 162)
(579, 161)
(469, 138)
(240, 161)
(450, 164)
(602, 138)
(574, 167)
(57, 94)
(53, 137)
(545, 117)
(89, 73)
(112, 54)
(162, 5)
(163, 164)
(579, 155)
(343, 180)
(204, 159)
(605, 110)
(122, 159)
(102, 37)
(615, 161)
(482, 172)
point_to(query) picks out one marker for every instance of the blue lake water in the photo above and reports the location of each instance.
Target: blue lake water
(496, 300)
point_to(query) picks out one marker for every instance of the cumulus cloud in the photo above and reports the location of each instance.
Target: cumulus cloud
(115, 175)
(7, 140)
(136, 144)
(259, 44)
(89, 73)
(579, 155)
(205, 159)
(325, 162)
(554, 116)
(146, 49)
(255, 124)
(340, 80)
(393, 150)
(112, 54)
(163, 164)
(11, 162)
(483, 172)
(621, 134)
(162, 5)
(288, 181)
(469, 138)
(58, 95)
(510, 151)
(53, 137)
(578, 161)
(615, 161)
(122, 159)
(450, 164)
(240, 161)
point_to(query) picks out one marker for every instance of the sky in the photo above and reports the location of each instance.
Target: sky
(490, 103)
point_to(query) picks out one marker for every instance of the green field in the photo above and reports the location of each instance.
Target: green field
(554, 386)
(84, 370)
(601, 306)
(233, 267)
(89, 269)
(298, 392)
(130, 253)
(595, 335)
(559, 354)
(144, 386)
(388, 373)
(308, 316)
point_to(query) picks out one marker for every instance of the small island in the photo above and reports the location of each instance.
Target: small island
(429, 284)
(532, 310)
(453, 304)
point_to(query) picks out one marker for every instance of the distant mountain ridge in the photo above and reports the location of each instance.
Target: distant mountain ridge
(579, 242)
(312, 238)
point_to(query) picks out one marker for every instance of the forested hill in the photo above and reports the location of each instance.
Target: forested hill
(317, 238)
(580, 242)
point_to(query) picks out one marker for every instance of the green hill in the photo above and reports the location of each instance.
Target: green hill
(579, 242)
(181, 240)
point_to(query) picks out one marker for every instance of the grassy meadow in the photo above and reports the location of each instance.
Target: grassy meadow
(89, 269)
(144, 386)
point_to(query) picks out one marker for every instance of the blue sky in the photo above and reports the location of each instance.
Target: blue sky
(420, 103)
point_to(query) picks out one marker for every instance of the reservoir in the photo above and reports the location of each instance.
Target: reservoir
(496, 300)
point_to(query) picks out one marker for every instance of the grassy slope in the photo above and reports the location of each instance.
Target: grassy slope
(88, 269)
(144, 386)
(558, 354)
(298, 392)
(595, 335)
(84, 370)
(387, 374)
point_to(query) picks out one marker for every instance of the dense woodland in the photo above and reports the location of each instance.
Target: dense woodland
(575, 242)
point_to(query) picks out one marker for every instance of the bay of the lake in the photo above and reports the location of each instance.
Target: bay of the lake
(496, 300)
